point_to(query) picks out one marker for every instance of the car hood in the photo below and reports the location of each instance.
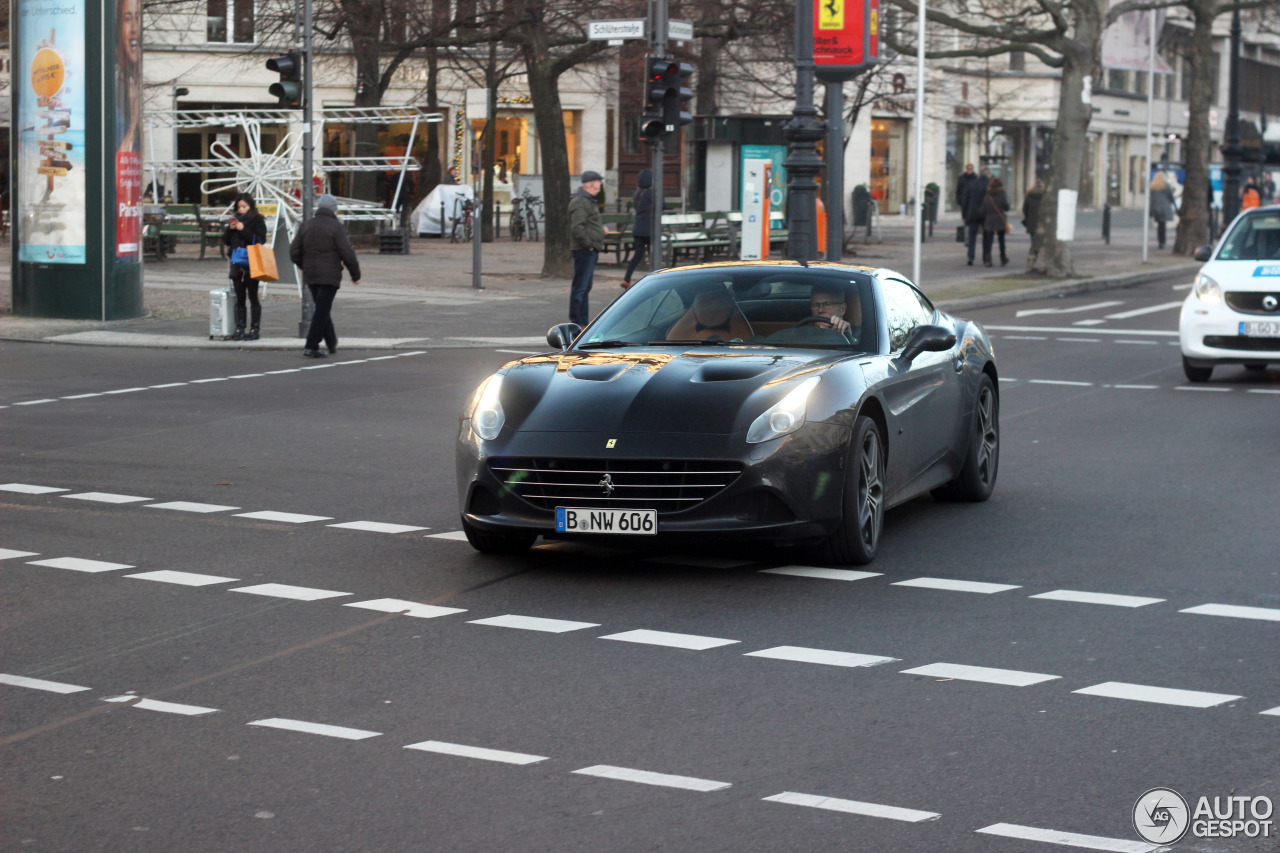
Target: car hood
(651, 391)
(1245, 275)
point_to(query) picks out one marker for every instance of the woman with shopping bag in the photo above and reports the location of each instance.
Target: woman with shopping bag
(245, 227)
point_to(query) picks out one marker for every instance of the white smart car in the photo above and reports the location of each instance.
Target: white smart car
(1232, 315)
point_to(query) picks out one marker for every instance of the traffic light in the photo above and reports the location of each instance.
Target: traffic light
(675, 107)
(666, 98)
(288, 91)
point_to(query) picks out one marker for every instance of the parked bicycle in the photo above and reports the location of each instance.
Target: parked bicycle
(516, 223)
(532, 205)
(463, 218)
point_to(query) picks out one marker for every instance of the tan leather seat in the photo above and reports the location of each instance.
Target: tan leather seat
(713, 313)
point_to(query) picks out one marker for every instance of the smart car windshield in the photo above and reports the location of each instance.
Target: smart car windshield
(1254, 238)
(752, 306)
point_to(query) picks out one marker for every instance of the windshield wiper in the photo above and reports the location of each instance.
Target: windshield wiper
(694, 342)
(606, 344)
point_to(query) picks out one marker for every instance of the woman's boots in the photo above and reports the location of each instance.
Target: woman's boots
(253, 334)
(238, 334)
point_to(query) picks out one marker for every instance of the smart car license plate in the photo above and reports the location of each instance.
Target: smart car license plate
(636, 522)
(1260, 329)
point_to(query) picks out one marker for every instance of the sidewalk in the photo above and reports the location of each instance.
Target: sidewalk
(426, 298)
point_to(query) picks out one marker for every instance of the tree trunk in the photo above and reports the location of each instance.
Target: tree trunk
(431, 171)
(708, 76)
(544, 93)
(1193, 216)
(366, 47)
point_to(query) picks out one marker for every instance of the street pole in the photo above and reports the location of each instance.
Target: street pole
(308, 166)
(803, 133)
(918, 235)
(1231, 148)
(1151, 105)
(834, 156)
(178, 92)
(657, 50)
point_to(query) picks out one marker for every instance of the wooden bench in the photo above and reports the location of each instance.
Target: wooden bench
(184, 223)
(618, 236)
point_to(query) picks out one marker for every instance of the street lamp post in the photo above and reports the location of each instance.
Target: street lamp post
(178, 92)
(1232, 150)
(803, 133)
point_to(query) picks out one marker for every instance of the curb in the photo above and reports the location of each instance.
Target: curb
(1067, 288)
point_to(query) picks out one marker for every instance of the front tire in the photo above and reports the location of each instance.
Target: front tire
(977, 478)
(857, 539)
(1196, 374)
(489, 542)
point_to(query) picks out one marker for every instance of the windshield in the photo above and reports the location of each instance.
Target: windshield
(1255, 238)
(778, 306)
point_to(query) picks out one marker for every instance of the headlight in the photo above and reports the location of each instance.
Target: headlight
(784, 417)
(488, 417)
(1207, 290)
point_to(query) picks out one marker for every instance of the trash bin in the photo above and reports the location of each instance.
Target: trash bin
(861, 207)
(221, 311)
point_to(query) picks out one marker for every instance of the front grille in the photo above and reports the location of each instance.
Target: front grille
(1249, 302)
(666, 485)
(1242, 343)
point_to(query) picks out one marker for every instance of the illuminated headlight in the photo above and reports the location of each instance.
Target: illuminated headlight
(488, 417)
(1207, 290)
(784, 417)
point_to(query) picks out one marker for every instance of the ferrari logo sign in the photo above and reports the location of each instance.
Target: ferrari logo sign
(608, 445)
(831, 15)
(845, 38)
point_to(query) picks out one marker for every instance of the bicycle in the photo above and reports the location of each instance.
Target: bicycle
(516, 223)
(532, 206)
(464, 210)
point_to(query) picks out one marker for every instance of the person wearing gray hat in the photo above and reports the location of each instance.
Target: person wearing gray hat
(586, 239)
(321, 249)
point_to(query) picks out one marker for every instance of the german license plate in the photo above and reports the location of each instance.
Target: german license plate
(634, 522)
(1260, 329)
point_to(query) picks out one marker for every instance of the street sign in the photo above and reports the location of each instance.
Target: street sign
(613, 30)
(845, 38)
(680, 30)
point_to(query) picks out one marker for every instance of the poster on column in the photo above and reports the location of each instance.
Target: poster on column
(128, 161)
(51, 117)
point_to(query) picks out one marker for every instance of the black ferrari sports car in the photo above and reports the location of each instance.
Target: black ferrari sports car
(774, 401)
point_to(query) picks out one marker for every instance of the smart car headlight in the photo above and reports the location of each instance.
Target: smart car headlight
(488, 417)
(1207, 290)
(785, 416)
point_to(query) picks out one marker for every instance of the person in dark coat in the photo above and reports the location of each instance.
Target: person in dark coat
(1031, 207)
(965, 178)
(971, 199)
(994, 222)
(245, 227)
(321, 249)
(642, 228)
(1163, 205)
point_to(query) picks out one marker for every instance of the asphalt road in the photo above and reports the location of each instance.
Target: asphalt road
(177, 675)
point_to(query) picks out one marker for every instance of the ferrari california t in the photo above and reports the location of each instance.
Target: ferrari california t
(777, 401)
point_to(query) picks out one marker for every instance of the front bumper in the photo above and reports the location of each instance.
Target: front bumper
(1210, 334)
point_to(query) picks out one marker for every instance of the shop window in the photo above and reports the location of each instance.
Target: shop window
(1117, 79)
(1018, 61)
(229, 21)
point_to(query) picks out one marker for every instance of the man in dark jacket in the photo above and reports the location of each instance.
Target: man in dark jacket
(322, 249)
(586, 239)
(971, 207)
(643, 225)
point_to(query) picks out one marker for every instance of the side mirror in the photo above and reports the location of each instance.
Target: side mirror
(1203, 253)
(928, 339)
(562, 335)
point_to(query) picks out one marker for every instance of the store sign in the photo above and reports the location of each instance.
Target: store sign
(846, 39)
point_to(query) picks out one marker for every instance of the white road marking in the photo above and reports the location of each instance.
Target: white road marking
(1212, 388)
(1145, 343)
(170, 385)
(1151, 309)
(1081, 340)
(819, 572)
(1069, 839)
(246, 376)
(36, 402)
(107, 498)
(377, 527)
(957, 586)
(124, 391)
(298, 593)
(1266, 614)
(1136, 387)
(316, 367)
(823, 656)
(701, 562)
(852, 807)
(76, 564)
(1085, 323)
(40, 684)
(1160, 695)
(188, 506)
(646, 777)
(1076, 309)
(1025, 337)
(1060, 382)
(534, 623)
(985, 674)
(202, 381)
(408, 608)
(163, 707)
(382, 357)
(1274, 712)
(1097, 598)
(520, 351)
(7, 554)
(476, 752)
(456, 535)
(1060, 330)
(665, 638)
(1263, 391)
(278, 372)
(286, 517)
(82, 396)
(182, 578)
(315, 728)
(28, 489)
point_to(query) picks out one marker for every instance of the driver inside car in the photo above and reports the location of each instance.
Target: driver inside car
(829, 301)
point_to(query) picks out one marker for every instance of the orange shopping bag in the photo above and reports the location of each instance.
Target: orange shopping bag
(262, 264)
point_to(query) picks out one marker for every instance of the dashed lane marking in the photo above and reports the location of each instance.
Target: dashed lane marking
(377, 527)
(76, 564)
(286, 517)
(28, 489)
(1274, 712)
(124, 391)
(648, 777)
(1263, 391)
(800, 654)
(1159, 695)
(1266, 614)
(455, 535)
(40, 684)
(188, 506)
(1136, 387)
(692, 642)
(535, 623)
(408, 608)
(833, 804)
(1059, 382)
(8, 554)
(1094, 322)
(163, 707)
(1137, 333)
(985, 674)
(1150, 309)
(824, 574)
(182, 578)
(297, 593)
(1081, 340)
(1139, 343)
(1068, 839)
(957, 586)
(315, 728)
(1097, 598)
(36, 402)
(479, 752)
(107, 498)
(1210, 388)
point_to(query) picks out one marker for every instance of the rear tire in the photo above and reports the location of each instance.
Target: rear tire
(857, 539)
(977, 478)
(489, 542)
(1196, 374)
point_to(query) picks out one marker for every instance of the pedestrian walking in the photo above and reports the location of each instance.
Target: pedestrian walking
(1267, 189)
(586, 239)
(971, 201)
(1031, 207)
(642, 227)
(994, 223)
(1162, 206)
(1249, 196)
(321, 249)
(965, 178)
(245, 227)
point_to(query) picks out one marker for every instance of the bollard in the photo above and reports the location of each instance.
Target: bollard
(1106, 223)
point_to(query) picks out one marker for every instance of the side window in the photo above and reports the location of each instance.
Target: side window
(905, 309)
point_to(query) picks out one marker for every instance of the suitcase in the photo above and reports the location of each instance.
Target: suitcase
(221, 314)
